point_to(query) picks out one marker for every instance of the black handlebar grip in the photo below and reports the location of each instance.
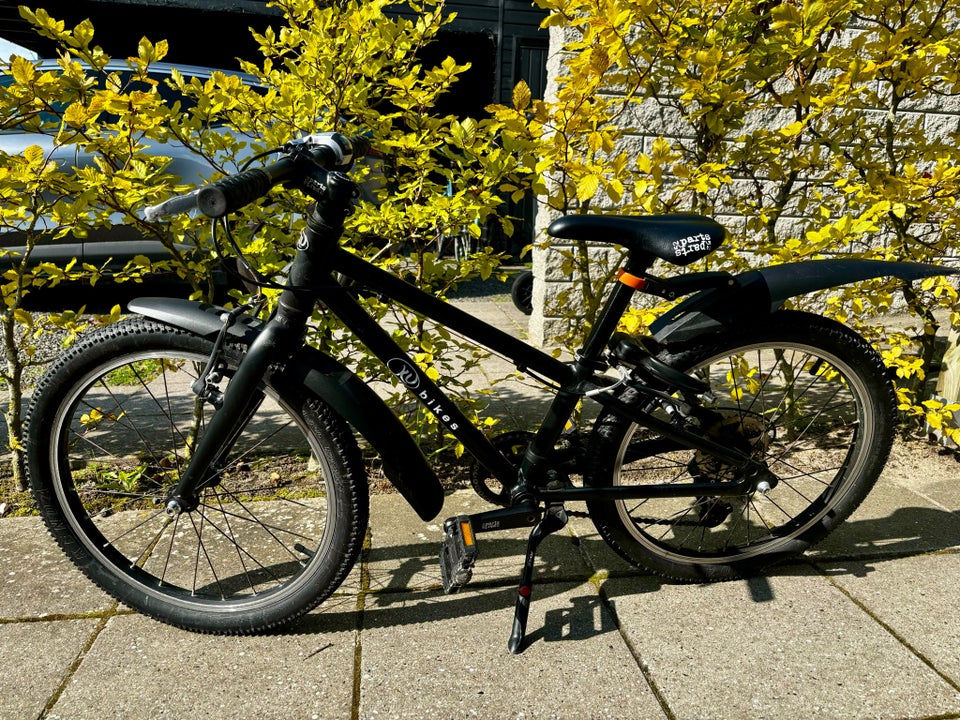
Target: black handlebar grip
(232, 193)
(361, 146)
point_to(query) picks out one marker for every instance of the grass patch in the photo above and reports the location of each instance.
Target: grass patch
(143, 371)
(15, 503)
(289, 478)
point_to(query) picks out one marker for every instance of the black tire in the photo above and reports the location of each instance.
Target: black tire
(110, 426)
(805, 393)
(521, 292)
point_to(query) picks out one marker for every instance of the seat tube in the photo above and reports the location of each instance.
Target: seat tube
(606, 324)
(567, 398)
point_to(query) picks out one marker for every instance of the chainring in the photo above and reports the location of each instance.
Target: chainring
(512, 445)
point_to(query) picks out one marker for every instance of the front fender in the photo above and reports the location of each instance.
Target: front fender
(403, 462)
(762, 291)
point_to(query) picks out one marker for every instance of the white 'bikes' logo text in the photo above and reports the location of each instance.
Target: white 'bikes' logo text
(409, 376)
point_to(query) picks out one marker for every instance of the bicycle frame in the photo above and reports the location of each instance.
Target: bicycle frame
(313, 275)
(536, 484)
(573, 381)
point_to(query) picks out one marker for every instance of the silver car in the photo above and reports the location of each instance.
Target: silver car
(121, 242)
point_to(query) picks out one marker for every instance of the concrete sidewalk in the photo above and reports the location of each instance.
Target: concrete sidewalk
(865, 626)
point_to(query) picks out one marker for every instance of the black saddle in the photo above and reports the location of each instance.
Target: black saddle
(677, 239)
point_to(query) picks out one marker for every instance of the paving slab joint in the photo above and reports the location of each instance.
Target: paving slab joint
(888, 628)
(58, 617)
(609, 606)
(78, 660)
(597, 579)
(361, 608)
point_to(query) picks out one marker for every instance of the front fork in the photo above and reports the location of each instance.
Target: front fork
(236, 406)
(281, 337)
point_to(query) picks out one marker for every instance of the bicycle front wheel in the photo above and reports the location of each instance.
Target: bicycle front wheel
(803, 395)
(110, 428)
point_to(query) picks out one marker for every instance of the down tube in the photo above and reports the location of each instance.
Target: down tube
(416, 381)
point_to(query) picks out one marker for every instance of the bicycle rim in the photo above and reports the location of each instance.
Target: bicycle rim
(803, 411)
(259, 535)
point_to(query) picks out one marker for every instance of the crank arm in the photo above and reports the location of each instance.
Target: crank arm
(524, 515)
(458, 552)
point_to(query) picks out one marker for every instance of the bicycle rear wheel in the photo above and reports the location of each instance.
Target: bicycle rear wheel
(111, 426)
(803, 394)
(462, 245)
(521, 292)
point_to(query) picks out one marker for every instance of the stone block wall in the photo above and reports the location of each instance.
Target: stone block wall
(940, 117)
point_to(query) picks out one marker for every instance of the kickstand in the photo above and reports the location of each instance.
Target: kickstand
(554, 519)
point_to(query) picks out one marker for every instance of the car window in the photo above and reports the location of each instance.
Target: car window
(168, 94)
(46, 117)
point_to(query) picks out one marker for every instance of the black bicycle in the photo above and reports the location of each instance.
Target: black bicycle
(201, 465)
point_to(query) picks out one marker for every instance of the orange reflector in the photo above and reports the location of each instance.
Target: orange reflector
(467, 532)
(637, 283)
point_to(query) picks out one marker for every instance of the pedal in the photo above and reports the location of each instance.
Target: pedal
(457, 554)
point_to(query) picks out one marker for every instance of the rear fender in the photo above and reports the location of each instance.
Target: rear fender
(757, 293)
(403, 462)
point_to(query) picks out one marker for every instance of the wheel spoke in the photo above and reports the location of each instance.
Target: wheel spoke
(166, 562)
(272, 529)
(245, 552)
(797, 408)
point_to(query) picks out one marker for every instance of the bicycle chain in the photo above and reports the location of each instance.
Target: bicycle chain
(642, 521)
(511, 445)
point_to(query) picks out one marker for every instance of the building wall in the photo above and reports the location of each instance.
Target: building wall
(939, 117)
(549, 279)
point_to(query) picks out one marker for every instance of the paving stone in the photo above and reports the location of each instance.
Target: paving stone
(599, 556)
(35, 657)
(437, 656)
(787, 646)
(928, 470)
(139, 668)
(916, 597)
(37, 579)
(893, 520)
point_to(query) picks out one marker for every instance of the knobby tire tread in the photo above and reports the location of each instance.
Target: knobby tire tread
(335, 435)
(609, 430)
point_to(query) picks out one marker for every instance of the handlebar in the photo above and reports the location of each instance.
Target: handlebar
(329, 151)
(173, 206)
